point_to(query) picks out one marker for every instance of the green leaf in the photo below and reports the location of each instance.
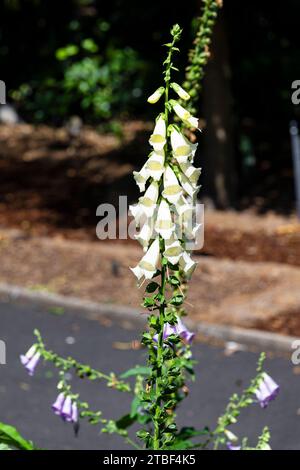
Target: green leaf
(11, 437)
(149, 302)
(151, 287)
(138, 370)
(174, 281)
(125, 421)
(177, 300)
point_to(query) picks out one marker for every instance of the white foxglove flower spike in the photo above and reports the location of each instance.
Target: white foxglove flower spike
(180, 91)
(184, 115)
(147, 267)
(156, 95)
(148, 201)
(158, 138)
(172, 190)
(155, 165)
(164, 224)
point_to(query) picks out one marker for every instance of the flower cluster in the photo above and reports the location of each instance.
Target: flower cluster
(65, 408)
(165, 211)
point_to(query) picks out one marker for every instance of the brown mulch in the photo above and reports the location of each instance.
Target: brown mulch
(253, 295)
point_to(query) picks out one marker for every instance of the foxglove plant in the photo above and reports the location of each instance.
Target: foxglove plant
(164, 215)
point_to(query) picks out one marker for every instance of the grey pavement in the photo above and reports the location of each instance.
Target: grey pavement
(26, 401)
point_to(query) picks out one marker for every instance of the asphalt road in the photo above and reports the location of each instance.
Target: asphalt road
(26, 402)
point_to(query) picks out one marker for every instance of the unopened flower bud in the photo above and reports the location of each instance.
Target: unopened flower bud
(156, 95)
(180, 91)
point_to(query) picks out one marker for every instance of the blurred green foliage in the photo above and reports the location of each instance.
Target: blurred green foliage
(94, 85)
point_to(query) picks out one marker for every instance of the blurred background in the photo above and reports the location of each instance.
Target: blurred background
(76, 125)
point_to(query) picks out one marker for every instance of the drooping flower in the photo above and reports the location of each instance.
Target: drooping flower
(183, 149)
(147, 267)
(65, 408)
(141, 177)
(156, 95)
(172, 190)
(187, 264)
(180, 91)
(148, 201)
(158, 138)
(266, 391)
(145, 233)
(155, 165)
(137, 212)
(188, 187)
(30, 359)
(178, 329)
(173, 250)
(191, 172)
(164, 224)
(184, 114)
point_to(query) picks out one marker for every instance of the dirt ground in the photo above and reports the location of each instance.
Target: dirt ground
(255, 295)
(51, 185)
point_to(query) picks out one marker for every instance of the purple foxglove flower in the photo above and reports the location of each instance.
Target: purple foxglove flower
(65, 408)
(183, 332)
(231, 446)
(30, 359)
(58, 404)
(179, 329)
(74, 412)
(266, 391)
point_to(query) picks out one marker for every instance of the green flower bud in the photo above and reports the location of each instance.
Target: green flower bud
(156, 95)
(180, 91)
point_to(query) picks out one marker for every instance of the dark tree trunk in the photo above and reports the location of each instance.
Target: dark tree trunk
(219, 178)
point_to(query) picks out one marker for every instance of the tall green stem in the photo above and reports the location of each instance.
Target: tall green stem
(160, 341)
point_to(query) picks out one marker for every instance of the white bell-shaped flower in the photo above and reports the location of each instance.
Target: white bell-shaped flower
(184, 114)
(147, 267)
(191, 172)
(183, 149)
(158, 138)
(148, 201)
(187, 264)
(146, 233)
(188, 187)
(173, 250)
(137, 212)
(141, 177)
(183, 205)
(155, 165)
(172, 190)
(164, 224)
